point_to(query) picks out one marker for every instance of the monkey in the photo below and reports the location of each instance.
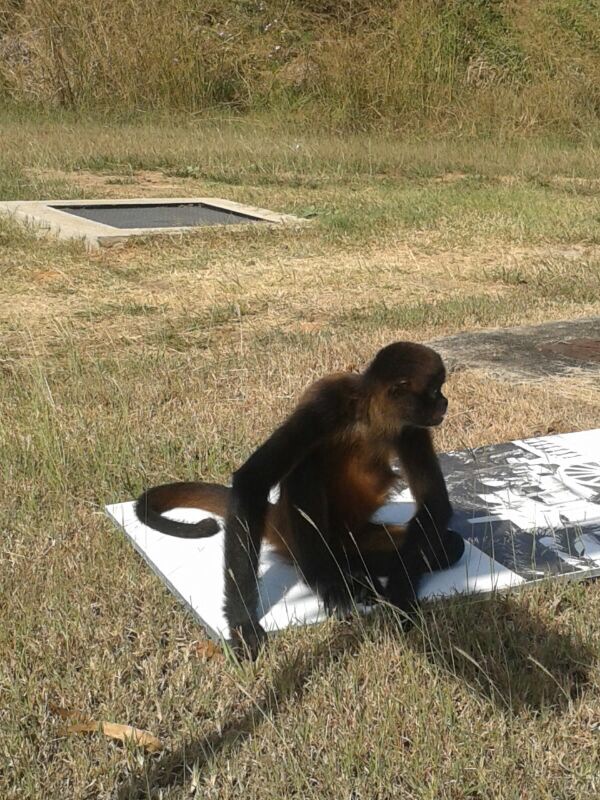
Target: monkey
(333, 461)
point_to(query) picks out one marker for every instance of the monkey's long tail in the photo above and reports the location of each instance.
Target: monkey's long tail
(154, 502)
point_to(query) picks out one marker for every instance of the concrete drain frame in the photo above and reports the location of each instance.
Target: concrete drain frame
(66, 218)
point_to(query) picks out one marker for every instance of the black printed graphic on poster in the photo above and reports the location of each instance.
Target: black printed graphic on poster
(533, 506)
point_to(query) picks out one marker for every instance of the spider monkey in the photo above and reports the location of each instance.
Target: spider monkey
(332, 460)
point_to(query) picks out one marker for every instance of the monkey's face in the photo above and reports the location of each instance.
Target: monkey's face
(404, 382)
(418, 403)
(433, 406)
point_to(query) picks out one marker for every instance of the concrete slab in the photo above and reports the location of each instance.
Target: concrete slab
(98, 223)
(557, 348)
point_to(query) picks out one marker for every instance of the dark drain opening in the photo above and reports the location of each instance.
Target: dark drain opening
(160, 215)
(578, 349)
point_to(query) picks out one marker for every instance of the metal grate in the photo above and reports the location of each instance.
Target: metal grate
(164, 215)
(579, 349)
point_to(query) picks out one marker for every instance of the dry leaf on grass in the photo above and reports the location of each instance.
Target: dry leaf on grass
(113, 730)
(43, 276)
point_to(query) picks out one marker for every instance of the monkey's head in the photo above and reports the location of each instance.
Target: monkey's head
(405, 381)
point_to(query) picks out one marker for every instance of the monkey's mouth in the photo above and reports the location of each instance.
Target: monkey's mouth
(437, 419)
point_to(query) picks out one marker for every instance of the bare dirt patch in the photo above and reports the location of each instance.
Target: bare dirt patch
(145, 183)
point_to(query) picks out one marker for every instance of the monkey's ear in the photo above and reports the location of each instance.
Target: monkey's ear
(399, 387)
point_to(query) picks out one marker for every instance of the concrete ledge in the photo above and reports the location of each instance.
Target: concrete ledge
(46, 216)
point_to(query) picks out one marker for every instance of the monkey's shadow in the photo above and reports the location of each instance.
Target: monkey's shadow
(499, 648)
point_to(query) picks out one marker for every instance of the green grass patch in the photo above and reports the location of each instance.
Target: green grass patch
(555, 279)
(466, 210)
(173, 358)
(459, 312)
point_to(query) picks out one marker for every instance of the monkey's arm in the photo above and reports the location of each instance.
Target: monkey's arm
(317, 418)
(422, 470)
(428, 545)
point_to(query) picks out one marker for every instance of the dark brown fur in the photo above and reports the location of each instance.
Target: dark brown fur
(332, 460)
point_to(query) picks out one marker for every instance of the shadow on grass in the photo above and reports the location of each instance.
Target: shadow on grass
(503, 649)
(500, 648)
(288, 683)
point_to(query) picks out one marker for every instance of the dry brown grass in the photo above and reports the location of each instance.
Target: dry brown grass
(172, 359)
(357, 64)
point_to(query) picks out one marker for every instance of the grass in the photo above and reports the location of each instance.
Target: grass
(172, 358)
(360, 65)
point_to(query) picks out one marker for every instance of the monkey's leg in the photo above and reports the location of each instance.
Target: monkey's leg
(399, 554)
(438, 549)
(383, 551)
(315, 548)
(428, 543)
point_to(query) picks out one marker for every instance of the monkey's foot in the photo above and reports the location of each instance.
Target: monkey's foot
(454, 547)
(445, 552)
(341, 596)
(401, 592)
(247, 640)
(366, 589)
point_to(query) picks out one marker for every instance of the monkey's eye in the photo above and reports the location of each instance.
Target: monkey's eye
(398, 389)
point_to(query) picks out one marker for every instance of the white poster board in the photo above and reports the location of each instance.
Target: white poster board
(527, 510)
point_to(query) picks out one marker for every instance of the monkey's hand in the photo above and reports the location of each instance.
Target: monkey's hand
(247, 640)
